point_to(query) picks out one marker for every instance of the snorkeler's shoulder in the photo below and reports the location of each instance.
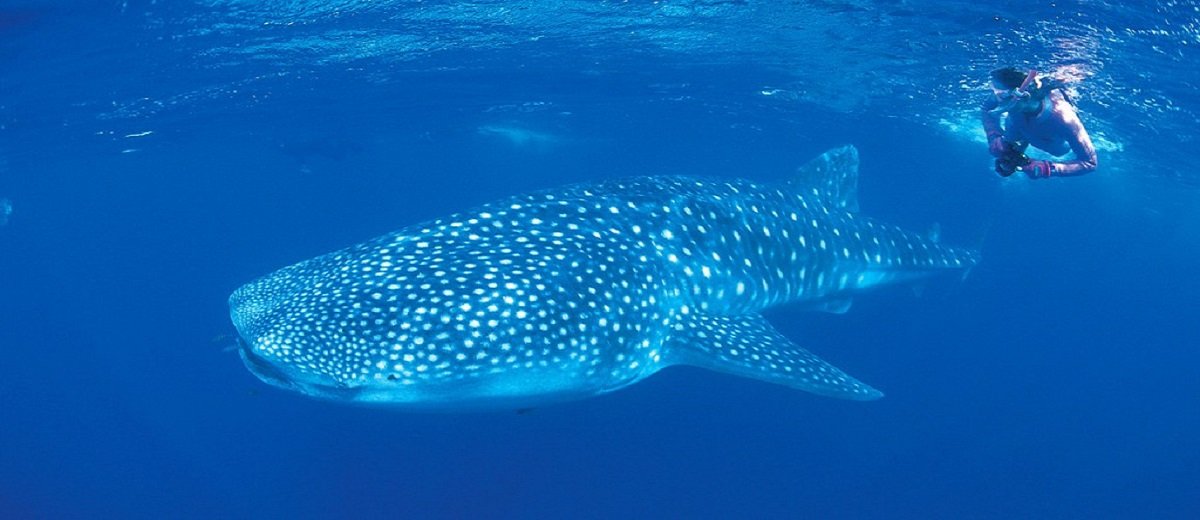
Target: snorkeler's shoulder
(1062, 109)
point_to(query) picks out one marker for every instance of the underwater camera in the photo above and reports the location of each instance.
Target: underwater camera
(1012, 159)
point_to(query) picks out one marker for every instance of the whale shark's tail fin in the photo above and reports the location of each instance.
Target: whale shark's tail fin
(833, 177)
(749, 346)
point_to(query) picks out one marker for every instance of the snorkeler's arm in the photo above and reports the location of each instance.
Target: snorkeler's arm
(991, 119)
(991, 126)
(1081, 144)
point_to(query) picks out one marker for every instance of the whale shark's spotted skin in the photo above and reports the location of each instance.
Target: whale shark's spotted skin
(578, 291)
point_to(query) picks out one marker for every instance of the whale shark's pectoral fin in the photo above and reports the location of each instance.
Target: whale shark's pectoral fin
(749, 346)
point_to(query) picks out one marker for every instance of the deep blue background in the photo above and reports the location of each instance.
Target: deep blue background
(1058, 380)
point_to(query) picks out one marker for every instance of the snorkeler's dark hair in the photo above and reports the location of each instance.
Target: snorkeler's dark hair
(1009, 77)
(1013, 78)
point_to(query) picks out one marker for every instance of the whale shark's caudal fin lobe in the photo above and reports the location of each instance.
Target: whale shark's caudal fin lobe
(749, 346)
(833, 177)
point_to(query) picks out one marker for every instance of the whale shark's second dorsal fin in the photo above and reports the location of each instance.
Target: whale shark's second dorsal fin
(832, 177)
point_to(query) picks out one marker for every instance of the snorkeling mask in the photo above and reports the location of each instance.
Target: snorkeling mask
(1010, 98)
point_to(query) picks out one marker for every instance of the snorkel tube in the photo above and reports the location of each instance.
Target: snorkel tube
(1045, 86)
(1012, 97)
(1042, 88)
(1023, 90)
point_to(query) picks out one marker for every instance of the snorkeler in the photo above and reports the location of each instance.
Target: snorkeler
(1040, 115)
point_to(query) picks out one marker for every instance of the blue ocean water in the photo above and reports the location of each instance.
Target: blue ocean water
(156, 155)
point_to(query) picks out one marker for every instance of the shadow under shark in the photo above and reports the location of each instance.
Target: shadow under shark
(582, 290)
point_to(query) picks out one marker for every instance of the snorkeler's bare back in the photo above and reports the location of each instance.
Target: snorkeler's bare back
(1055, 129)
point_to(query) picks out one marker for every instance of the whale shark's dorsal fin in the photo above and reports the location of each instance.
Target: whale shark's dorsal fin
(832, 177)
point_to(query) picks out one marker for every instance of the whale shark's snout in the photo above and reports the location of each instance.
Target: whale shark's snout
(276, 342)
(254, 306)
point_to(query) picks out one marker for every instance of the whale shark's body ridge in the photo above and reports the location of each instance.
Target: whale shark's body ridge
(581, 290)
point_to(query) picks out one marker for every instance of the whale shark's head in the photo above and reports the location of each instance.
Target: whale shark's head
(463, 314)
(282, 340)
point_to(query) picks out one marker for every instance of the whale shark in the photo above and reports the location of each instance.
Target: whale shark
(518, 136)
(577, 291)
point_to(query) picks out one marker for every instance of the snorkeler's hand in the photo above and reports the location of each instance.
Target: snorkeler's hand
(1038, 169)
(997, 146)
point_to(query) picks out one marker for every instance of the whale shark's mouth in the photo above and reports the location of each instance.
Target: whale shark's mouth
(453, 396)
(315, 385)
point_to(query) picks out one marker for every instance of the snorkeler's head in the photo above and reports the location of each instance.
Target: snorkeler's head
(1009, 77)
(1012, 87)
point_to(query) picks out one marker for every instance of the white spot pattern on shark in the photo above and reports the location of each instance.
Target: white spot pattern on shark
(582, 290)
